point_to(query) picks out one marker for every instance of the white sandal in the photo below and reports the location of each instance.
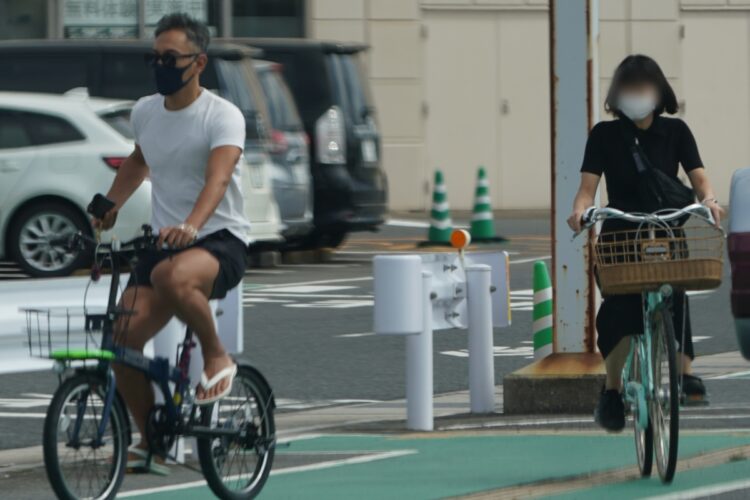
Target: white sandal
(206, 384)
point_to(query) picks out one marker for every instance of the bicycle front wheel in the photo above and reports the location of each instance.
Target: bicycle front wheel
(79, 462)
(236, 466)
(665, 403)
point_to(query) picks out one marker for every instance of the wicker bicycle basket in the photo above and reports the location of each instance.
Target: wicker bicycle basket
(634, 261)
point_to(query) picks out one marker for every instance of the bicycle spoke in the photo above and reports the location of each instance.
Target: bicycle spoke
(86, 467)
(241, 462)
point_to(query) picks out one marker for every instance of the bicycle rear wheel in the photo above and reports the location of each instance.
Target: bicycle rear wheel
(237, 467)
(644, 437)
(77, 465)
(665, 403)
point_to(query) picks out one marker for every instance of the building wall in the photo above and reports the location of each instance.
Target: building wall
(459, 83)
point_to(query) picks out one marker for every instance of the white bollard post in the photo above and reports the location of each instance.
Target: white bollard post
(419, 416)
(481, 355)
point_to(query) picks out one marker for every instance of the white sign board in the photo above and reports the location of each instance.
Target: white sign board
(397, 301)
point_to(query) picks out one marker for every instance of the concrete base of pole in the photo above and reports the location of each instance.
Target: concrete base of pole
(559, 383)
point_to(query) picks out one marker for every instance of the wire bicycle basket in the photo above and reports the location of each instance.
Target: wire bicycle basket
(65, 333)
(636, 260)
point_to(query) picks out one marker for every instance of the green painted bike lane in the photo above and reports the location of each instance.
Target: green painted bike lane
(452, 465)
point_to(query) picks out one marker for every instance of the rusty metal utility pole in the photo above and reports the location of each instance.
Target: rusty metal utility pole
(573, 28)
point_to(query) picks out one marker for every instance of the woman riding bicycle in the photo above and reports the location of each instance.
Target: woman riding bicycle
(638, 96)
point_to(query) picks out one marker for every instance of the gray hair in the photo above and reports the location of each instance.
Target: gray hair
(196, 31)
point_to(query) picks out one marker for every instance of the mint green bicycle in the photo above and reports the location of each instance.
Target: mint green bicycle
(656, 254)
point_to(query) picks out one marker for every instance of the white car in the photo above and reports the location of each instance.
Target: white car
(56, 152)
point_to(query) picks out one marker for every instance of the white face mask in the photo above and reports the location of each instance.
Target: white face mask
(636, 106)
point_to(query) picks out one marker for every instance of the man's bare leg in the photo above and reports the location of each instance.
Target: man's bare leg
(185, 281)
(151, 314)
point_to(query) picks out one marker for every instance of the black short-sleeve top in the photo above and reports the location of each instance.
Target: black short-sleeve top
(668, 143)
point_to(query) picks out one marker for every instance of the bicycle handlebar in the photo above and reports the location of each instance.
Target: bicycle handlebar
(592, 215)
(81, 240)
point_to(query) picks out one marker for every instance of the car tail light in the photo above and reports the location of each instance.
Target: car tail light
(278, 142)
(114, 162)
(330, 137)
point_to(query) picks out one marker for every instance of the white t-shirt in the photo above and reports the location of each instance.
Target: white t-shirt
(176, 145)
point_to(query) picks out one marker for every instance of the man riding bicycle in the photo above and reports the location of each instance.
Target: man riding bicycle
(189, 142)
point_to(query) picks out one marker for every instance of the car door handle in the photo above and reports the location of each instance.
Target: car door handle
(9, 166)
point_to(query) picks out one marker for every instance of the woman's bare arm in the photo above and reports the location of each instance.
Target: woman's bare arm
(705, 192)
(584, 199)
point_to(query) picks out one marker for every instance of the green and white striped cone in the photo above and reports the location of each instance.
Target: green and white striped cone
(542, 325)
(482, 227)
(441, 224)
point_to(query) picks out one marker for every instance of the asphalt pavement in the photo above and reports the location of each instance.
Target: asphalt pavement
(308, 328)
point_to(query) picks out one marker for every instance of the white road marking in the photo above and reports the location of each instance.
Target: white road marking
(301, 283)
(531, 259)
(355, 335)
(305, 296)
(7, 414)
(730, 376)
(705, 491)
(318, 266)
(246, 300)
(524, 351)
(272, 272)
(306, 289)
(407, 223)
(333, 304)
(371, 457)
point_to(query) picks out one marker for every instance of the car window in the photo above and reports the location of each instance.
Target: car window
(54, 73)
(309, 81)
(280, 102)
(48, 129)
(357, 91)
(125, 76)
(13, 134)
(120, 121)
(234, 86)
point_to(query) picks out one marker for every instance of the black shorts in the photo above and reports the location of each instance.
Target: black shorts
(229, 250)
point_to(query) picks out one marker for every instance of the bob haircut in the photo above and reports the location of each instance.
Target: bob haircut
(637, 69)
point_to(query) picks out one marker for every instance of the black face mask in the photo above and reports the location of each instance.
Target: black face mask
(169, 79)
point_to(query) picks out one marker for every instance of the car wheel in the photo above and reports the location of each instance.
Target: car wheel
(30, 235)
(330, 239)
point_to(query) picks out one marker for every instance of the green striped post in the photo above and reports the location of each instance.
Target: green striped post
(482, 227)
(441, 225)
(542, 325)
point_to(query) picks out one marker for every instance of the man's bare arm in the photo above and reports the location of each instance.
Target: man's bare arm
(129, 177)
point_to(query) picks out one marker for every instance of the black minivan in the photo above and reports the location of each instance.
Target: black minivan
(333, 97)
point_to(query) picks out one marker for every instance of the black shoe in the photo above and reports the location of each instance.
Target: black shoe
(610, 412)
(693, 389)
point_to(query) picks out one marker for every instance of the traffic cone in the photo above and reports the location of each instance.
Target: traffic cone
(441, 225)
(543, 311)
(482, 225)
